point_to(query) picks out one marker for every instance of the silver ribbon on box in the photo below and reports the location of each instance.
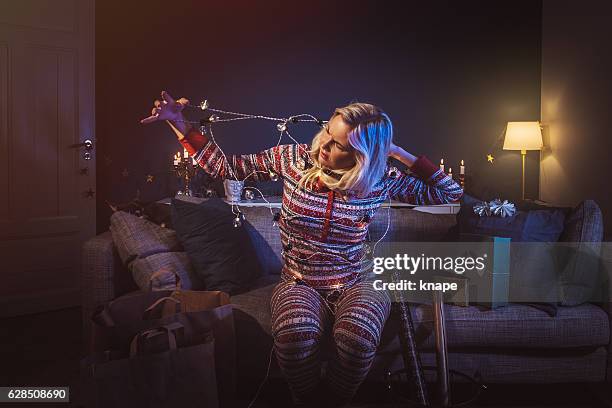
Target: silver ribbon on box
(482, 208)
(502, 208)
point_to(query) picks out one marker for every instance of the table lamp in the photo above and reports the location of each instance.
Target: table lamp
(523, 136)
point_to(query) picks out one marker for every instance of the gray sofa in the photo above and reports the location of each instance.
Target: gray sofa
(513, 344)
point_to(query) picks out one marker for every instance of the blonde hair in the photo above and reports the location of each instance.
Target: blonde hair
(370, 136)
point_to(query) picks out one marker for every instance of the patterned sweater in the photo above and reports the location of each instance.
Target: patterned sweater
(323, 235)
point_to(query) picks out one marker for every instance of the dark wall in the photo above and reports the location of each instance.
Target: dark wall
(450, 75)
(576, 101)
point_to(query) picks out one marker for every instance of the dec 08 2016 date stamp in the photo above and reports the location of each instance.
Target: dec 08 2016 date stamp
(34, 394)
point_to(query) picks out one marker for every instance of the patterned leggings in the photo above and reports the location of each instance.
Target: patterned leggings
(300, 319)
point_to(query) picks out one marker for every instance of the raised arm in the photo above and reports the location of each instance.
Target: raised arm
(262, 166)
(427, 183)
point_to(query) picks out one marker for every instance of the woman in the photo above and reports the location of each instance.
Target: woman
(331, 191)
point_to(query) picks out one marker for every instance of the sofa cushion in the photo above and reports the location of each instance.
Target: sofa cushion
(136, 237)
(265, 237)
(165, 264)
(582, 278)
(584, 223)
(255, 304)
(409, 225)
(222, 255)
(513, 326)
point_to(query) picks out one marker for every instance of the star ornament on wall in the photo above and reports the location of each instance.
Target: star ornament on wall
(149, 178)
(490, 158)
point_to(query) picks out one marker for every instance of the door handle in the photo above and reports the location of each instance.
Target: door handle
(87, 144)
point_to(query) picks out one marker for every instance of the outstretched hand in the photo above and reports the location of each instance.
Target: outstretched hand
(166, 109)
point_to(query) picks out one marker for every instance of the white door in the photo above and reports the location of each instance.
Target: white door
(46, 108)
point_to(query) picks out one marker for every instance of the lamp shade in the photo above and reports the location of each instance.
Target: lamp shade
(523, 136)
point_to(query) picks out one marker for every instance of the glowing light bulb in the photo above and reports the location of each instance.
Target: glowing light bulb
(273, 175)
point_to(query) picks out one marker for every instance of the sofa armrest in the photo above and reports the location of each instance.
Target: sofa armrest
(606, 303)
(103, 277)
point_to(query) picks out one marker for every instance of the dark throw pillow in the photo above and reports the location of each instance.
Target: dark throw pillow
(528, 224)
(222, 255)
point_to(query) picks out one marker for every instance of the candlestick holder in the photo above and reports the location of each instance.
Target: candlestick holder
(185, 169)
(462, 174)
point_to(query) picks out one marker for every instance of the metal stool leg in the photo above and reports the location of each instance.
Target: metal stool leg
(441, 349)
(410, 354)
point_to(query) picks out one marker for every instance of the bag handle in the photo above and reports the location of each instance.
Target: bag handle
(179, 307)
(170, 330)
(160, 272)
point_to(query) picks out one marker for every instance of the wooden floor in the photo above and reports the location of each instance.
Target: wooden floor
(45, 350)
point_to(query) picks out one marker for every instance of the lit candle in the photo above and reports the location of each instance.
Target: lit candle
(185, 154)
(193, 160)
(450, 172)
(462, 168)
(442, 164)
